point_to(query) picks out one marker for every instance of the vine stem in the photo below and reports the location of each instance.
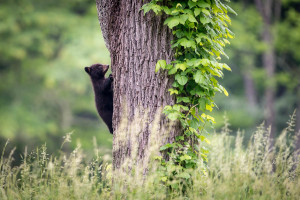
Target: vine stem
(190, 110)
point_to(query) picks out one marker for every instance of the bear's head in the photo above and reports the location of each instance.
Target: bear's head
(97, 71)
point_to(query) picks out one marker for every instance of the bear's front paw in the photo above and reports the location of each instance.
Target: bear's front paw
(111, 77)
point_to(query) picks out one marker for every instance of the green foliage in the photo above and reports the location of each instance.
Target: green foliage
(44, 91)
(245, 53)
(236, 172)
(200, 29)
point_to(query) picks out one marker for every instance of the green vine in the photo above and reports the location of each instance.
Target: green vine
(200, 29)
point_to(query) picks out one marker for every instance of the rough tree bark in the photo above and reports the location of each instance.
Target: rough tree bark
(270, 12)
(136, 42)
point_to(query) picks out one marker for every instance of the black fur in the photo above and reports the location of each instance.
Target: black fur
(103, 92)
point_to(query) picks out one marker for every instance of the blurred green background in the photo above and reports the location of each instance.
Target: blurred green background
(46, 94)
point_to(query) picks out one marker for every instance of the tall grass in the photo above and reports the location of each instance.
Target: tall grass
(263, 169)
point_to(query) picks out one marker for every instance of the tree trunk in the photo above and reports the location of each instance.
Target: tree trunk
(250, 89)
(269, 64)
(268, 10)
(136, 42)
(297, 131)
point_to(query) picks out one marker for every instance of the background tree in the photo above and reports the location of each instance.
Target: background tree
(247, 54)
(270, 12)
(287, 45)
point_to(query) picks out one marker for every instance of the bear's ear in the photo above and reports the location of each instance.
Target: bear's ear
(105, 68)
(87, 70)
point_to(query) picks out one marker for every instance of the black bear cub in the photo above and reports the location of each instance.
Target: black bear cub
(103, 92)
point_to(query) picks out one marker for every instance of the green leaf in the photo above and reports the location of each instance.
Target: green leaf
(146, 8)
(166, 10)
(203, 4)
(181, 137)
(199, 78)
(166, 146)
(160, 64)
(205, 20)
(173, 116)
(186, 43)
(176, 84)
(185, 157)
(197, 11)
(156, 9)
(172, 22)
(231, 10)
(202, 35)
(197, 91)
(178, 5)
(194, 123)
(226, 67)
(175, 12)
(181, 66)
(192, 18)
(185, 107)
(192, 62)
(224, 90)
(208, 107)
(172, 71)
(202, 104)
(205, 62)
(168, 107)
(151, 6)
(206, 12)
(168, 67)
(176, 107)
(183, 18)
(184, 99)
(173, 91)
(192, 4)
(181, 79)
